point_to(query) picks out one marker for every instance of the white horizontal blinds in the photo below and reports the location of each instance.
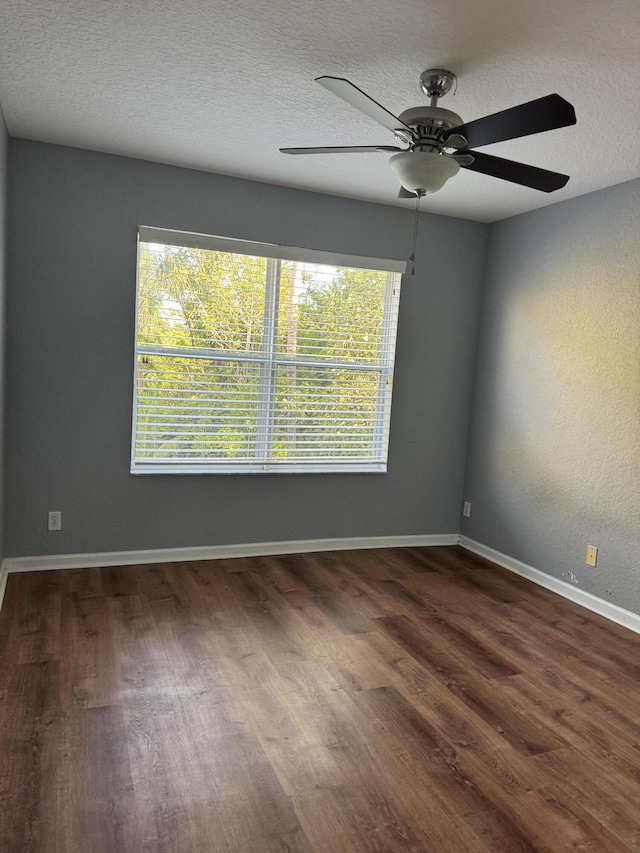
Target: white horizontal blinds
(195, 409)
(334, 314)
(198, 299)
(331, 357)
(254, 363)
(325, 413)
(198, 408)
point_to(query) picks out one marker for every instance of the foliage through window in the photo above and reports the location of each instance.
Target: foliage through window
(252, 357)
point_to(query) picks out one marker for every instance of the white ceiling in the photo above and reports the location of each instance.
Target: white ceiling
(220, 85)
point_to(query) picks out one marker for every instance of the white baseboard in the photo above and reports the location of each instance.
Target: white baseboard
(586, 599)
(263, 549)
(218, 552)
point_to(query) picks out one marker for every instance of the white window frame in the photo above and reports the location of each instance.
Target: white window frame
(269, 360)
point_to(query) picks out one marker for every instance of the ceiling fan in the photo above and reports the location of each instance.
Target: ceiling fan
(438, 142)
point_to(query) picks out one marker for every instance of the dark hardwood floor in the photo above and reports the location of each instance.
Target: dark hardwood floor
(391, 700)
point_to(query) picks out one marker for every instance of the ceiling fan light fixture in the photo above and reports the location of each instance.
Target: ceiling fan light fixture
(423, 171)
(439, 142)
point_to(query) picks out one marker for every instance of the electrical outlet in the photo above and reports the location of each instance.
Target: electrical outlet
(592, 555)
(466, 509)
(55, 520)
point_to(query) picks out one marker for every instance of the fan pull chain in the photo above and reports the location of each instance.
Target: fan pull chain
(412, 256)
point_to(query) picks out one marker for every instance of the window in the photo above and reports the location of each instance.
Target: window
(252, 357)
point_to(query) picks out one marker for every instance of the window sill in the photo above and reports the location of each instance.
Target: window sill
(240, 468)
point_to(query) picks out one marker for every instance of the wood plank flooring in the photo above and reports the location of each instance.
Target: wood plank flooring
(388, 700)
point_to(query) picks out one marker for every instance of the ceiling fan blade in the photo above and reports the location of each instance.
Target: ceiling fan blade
(405, 193)
(517, 173)
(361, 101)
(341, 149)
(548, 113)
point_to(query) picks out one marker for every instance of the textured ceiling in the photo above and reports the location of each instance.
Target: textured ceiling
(220, 85)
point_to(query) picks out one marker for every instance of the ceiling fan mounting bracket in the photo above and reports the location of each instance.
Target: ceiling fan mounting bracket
(437, 82)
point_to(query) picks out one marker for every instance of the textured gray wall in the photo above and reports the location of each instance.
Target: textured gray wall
(72, 258)
(554, 453)
(4, 148)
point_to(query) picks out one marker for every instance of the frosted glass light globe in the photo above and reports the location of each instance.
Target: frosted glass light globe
(423, 171)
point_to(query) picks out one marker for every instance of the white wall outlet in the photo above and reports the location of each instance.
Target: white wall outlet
(55, 520)
(466, 509)
(592, 555)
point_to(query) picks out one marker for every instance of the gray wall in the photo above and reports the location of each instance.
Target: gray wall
(4, 148)
(72, 258)
(554, 455)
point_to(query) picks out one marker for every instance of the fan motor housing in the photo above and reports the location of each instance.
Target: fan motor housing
(438, 116)
(429, 124)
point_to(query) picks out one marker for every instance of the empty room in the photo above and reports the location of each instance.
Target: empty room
(320, 432)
